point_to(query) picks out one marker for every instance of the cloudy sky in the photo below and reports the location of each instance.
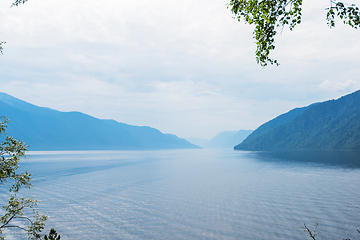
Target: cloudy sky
(184, 67)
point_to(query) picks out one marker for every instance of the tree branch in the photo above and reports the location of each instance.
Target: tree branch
(312, 234)
(267, 15)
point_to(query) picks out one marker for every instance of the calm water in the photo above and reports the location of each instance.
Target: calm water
(197, 194)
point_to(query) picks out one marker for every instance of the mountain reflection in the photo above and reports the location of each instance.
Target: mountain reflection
(345, 159)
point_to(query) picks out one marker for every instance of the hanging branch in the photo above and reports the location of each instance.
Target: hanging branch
(11, 151)
(267, 15)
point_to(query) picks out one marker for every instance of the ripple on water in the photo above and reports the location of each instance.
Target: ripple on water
(193, 194)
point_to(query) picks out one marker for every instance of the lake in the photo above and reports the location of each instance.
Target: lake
(196, 194)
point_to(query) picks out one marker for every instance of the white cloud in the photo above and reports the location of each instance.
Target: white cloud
(340, 85)
(184, 67)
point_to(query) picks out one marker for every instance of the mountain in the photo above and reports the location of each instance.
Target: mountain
(330, 125)
(197, 141)
(227, 139)
(47, 129)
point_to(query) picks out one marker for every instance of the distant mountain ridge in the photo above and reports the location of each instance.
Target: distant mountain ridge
(226, 139)
(330, 125)
(46, 129)
(197, 141)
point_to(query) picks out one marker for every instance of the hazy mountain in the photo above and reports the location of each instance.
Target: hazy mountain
(197, 141)
(47, 129)
(333, 124)
(227, 139)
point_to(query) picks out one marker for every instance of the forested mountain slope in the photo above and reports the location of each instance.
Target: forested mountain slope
(334, 124)
(47, 129)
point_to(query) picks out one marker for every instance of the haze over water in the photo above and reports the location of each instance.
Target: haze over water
(196, 194)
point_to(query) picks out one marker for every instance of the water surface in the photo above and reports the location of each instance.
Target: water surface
(197, 194)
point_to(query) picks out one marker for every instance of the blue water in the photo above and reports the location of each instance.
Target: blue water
(196, 194)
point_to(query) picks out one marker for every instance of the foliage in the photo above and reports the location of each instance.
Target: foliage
(52, 235)
(268, 15)
(349, 14)
(17, 2)
(1, 46)
(11, 151)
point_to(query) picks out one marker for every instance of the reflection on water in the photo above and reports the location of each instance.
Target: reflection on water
(345, 159)
(196, 194)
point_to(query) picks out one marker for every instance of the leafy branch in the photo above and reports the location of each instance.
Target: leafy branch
(18, 2)
(349, 14)
(52, 235)
(14, 210)
(1, 46)
(268, 15)
(11, 151)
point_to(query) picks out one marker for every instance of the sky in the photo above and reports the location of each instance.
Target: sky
(184, 67)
